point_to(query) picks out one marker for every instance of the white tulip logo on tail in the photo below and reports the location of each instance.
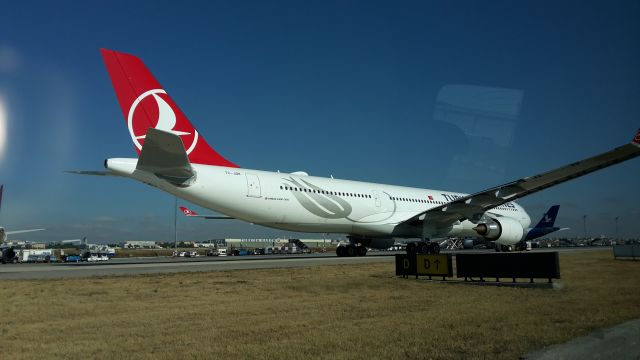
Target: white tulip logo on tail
(166, 120)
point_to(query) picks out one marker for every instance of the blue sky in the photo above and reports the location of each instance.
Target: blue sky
(455, 95)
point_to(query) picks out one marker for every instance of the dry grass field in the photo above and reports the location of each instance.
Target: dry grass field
(330, 312)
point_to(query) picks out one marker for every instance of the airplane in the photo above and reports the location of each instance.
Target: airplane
(191, 213)
(175, 158)
(3, 233)
(544, 227)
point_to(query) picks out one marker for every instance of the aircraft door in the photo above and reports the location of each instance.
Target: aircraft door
(376, 197)
(253, 186)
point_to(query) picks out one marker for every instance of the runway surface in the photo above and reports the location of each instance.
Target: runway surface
(173, 265)
(154, 265)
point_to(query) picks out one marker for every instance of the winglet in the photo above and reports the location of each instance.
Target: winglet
(636, 139)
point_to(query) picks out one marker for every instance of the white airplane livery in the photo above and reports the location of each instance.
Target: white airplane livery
(175, 158)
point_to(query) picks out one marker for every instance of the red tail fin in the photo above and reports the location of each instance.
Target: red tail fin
(188, 212)
(145, 105)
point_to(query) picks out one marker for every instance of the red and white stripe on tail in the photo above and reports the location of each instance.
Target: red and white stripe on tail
(145, 104)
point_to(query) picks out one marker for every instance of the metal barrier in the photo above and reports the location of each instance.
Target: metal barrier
(535, 265)
(626, 251)
(538, 265)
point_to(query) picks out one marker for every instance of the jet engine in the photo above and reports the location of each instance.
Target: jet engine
(505, 230)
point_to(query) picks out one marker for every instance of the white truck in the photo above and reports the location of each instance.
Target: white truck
(25, 253)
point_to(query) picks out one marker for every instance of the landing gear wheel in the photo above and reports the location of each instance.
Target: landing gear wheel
(412, 248)
(423, 248)
(434, 248)
(361, 250)
(351, 250)
(341, 251)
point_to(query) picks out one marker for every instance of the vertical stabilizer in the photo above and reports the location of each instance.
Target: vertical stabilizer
(549, 218)
(145, 104)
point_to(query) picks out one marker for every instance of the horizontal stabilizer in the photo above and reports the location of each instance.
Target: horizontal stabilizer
(163, 154)
(89, 172)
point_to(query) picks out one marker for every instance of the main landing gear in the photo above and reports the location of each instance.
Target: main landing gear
(423, 247)
(351, 250)
(503, 248)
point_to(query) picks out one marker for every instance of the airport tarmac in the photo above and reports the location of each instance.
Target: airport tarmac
(154, 265)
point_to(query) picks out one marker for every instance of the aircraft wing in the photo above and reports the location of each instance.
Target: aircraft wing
(22, 231)
(472, 207)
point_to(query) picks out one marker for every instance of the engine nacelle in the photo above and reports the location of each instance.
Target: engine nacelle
(505, 230)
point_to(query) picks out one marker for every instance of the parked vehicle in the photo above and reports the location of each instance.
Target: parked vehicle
(217, 252)
(38, 258)
(26, 253)
(9, 255)
(72, 258)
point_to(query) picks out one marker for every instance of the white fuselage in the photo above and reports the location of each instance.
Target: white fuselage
(299, 202)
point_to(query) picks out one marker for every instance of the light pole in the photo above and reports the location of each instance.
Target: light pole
(175, 223)
(584, 224)
(617, 217)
